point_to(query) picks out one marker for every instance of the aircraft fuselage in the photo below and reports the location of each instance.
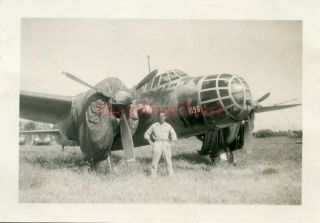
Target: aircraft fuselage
(194, 105)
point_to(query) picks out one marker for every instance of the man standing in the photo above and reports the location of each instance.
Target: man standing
(162, 133)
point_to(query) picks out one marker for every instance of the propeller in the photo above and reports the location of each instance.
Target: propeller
(248, 136)
(126, 138)
(249, 124)
(255, 104)
(256, 108)
(293, 99)
(122, 99)
(263, 97)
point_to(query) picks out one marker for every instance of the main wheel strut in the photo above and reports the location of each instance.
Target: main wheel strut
(214, 144)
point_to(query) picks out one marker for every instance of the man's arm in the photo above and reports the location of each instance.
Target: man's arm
(173, 134)
(147, 134)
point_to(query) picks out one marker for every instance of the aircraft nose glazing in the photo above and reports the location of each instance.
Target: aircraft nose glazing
(227, 93)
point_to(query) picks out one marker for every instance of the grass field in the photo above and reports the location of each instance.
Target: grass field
(271, 175)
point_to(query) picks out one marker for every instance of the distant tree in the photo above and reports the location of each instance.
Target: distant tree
(264, 133)
(30, 126)
(298, 133)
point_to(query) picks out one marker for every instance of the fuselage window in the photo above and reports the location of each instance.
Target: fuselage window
(208, 95)
(173, 76)
(212, 106)
(227, 102)
(224, 92)
(164, 79)
(223, 83)
(225, 76)
(155, 82)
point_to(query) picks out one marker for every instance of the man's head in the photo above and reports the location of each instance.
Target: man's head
(162, 117)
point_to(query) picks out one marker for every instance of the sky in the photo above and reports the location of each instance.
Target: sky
(268, 54)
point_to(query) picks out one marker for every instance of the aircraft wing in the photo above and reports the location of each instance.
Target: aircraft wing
(43, 107)
(274, 107)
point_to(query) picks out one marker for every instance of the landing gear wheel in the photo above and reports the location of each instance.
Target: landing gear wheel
(229, 155)
(214, 158)
(214, 143)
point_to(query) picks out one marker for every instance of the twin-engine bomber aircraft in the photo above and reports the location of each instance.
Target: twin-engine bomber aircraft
(218, 109)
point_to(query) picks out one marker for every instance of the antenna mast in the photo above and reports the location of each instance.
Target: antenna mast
(149, 63)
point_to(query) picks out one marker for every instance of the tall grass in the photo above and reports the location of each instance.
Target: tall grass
(271, 175)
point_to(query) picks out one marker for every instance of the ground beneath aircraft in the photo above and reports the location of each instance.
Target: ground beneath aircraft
(272, 175)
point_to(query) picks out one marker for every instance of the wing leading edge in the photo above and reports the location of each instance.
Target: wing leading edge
(43, 107)
(48, 131)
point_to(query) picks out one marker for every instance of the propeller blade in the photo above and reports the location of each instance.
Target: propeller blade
(76, 79)
(293, 99)
(72, 77)
(264, 97)
(274, 107)
(126, 138)
(248, 136)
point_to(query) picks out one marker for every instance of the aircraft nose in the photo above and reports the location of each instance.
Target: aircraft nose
(225, 92)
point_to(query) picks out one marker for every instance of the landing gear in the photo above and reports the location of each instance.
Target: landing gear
(229, 155)
(215, 145)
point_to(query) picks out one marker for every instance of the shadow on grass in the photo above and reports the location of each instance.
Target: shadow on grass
(193, 158)
(269, 171)
(116, 159)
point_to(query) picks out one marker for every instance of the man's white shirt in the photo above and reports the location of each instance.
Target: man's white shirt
(161, 132)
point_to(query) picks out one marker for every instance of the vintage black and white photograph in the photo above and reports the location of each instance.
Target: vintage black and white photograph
(160, 111)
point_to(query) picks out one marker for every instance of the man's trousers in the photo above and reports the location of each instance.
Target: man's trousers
(161, 148)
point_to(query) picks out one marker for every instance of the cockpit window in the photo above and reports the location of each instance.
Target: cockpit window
(180, 73)
(155, 82)
(148, 85)
(173, 76)
(212, 76)
(164, 79)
